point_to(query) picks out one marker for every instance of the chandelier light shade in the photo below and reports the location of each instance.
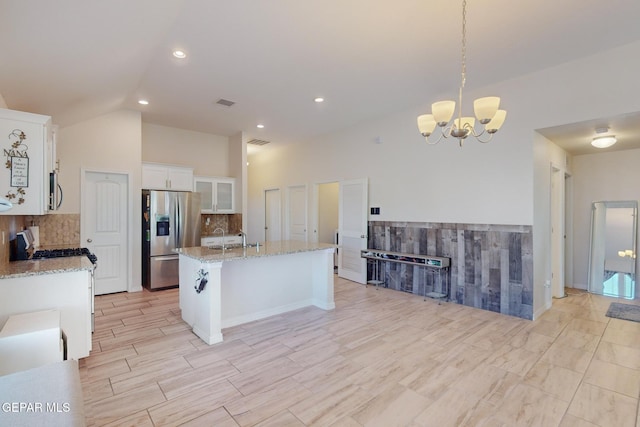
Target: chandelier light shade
(486, 110)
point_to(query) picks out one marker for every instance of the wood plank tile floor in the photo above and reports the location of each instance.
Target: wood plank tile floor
(381, 358)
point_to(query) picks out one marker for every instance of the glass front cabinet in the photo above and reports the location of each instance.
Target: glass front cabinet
(216, 194)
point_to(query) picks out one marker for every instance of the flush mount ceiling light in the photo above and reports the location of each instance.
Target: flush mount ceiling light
(603, 141)
(143, 102)
(486, 109)
(180, 54)
(318, 99)
(260, 126)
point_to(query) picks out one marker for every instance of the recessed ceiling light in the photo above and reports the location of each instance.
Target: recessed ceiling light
(319, 99)
(143, 102)
(180, 54)
(260, 126)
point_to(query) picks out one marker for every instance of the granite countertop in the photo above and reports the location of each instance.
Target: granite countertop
(285, 247)
(16, 269)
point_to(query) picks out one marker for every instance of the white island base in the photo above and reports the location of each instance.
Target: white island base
(248, 284)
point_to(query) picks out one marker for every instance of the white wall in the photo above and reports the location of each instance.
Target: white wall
(237, 165)
(208, 154)
(111, 142)
(495, 183)
(546, 156)
(612, 176)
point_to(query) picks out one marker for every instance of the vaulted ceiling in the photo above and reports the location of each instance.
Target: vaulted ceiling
(76, 59)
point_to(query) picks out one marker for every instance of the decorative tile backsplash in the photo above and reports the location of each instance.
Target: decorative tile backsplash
(491, 265)
(56, 230)
(230, 223)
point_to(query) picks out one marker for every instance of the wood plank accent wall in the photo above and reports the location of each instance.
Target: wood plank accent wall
(491, 265)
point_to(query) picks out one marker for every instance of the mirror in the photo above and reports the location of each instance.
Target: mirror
(612, 259)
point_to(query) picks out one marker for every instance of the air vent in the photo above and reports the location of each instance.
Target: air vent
(225, 102)
(258, 142)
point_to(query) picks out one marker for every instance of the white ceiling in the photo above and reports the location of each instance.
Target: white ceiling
(76, 59)
(576, 138)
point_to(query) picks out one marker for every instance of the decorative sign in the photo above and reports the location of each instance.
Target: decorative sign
(19, 172)
(18, 162)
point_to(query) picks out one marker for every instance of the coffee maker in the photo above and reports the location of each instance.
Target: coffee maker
(21, 247)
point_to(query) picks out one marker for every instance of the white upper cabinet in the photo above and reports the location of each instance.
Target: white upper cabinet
(216, 194)
(24, 179)
(157, 176)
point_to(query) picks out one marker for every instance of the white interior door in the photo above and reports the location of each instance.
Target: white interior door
(297, 213)
(273, 215)
(104, 228)
(352, 229)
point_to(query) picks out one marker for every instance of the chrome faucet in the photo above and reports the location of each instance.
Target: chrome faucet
(244, 238)
(220, 229)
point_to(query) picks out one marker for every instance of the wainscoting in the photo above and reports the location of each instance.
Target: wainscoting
(491, 265)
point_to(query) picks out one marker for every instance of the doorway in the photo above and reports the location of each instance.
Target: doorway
(352, 234)
(328, 201)
(273, 215)
(104, 228)
(297, 213)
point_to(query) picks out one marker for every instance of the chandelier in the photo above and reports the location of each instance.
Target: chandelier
(486, 109)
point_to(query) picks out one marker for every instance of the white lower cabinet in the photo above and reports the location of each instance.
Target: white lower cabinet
(219, 240)
(69, 293)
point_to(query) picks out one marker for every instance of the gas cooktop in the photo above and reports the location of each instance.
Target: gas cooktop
(60, 253)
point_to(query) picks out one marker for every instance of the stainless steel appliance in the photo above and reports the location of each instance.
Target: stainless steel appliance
(170, 220)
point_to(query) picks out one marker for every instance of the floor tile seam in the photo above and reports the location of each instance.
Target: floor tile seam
(103, 363)
(542, 355)
(637, 397)
(621, 345)
(582, 381)
(554, 396)
(132, 303)
(273, 386)
(601, 388)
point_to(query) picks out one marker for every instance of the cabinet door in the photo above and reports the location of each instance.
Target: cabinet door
(224, 197)
(154, 177)
(205, 188)
(180, 179)
(24, 182)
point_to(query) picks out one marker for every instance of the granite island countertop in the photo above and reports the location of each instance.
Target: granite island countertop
(284, 247)
(38, 267)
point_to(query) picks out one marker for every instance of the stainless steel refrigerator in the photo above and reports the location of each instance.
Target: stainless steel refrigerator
(170, 220)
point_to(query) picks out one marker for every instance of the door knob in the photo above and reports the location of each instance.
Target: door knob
(89, 240)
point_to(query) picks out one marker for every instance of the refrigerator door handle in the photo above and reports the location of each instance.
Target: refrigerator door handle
(178, 222)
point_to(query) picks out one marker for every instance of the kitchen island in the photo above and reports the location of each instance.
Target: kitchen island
(220, 288)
